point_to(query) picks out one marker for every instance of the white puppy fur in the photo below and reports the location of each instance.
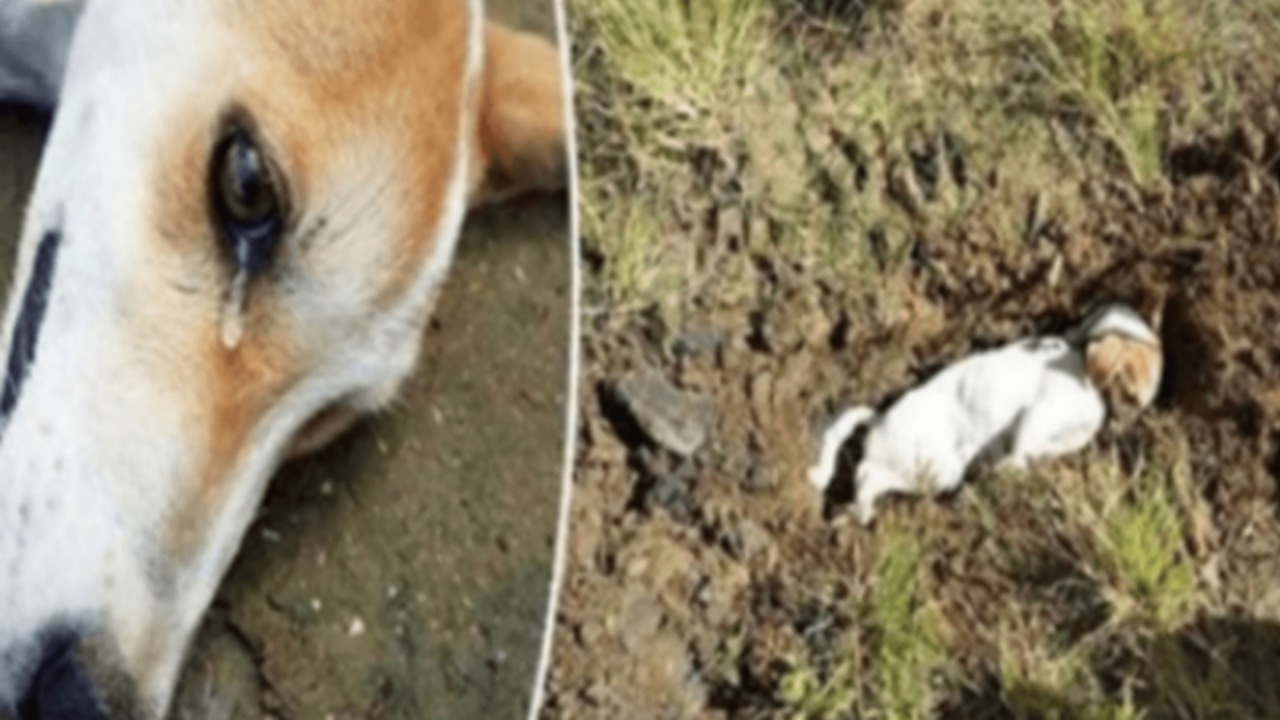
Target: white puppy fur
(1033, 398)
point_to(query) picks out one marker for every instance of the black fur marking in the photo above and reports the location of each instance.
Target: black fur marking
(26, 331)
(60, 689)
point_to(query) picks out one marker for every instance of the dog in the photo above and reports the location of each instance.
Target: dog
(243, 215)
(1031, 399)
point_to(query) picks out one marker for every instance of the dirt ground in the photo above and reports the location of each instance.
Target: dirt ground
(403, 572)
(705, 578)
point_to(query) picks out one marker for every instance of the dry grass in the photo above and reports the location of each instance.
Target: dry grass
(847, 136)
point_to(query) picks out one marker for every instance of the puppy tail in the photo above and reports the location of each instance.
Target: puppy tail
(833, 439)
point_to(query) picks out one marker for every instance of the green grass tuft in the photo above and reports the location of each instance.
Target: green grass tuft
(684, 54)
(1141, 548)
(907, 655)
(1108, 70)
(808, 694)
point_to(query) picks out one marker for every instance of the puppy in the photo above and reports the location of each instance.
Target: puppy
(1031, 399)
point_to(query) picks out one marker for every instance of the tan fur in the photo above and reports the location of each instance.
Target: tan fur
(241, 384)
(226, 389)
(325, 82)
(335, 76)
(1130, 366)
(521, 142)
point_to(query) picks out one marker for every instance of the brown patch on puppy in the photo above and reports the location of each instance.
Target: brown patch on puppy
(1130, 367)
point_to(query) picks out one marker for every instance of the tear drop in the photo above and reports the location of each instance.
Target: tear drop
(233, 311)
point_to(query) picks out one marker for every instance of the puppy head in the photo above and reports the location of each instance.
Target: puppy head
(1127, 367)
(1122, 354)
(243, 215)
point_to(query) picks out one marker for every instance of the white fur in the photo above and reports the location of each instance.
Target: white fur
(81, 489)
(1027, 400)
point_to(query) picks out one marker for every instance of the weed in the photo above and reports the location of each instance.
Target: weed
(1107, 69)
(808, 694)
(1037, 681)
(907, 655)
(680, 53)
(1141, 547)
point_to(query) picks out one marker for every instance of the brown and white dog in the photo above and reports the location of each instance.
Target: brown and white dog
(1031, 399)
(243, 214)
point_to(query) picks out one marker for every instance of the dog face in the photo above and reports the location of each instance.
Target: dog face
(243, 215)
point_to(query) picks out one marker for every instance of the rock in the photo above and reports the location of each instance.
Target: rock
(665, 483)
(641, 618)
(699, 340)
(678, 421)
(669, 492)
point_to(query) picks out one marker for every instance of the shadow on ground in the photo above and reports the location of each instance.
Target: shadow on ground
(1214, 668)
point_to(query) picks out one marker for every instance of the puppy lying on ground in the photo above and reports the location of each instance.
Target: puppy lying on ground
(1031, 399)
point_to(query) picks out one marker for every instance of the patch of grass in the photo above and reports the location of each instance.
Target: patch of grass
(806, 693)
(1217, 669)
(658, 83)
(630, 240)
(1198, 689)
(924, 118)
(1037, 681)
(898, 677)
(1111, 70)
(823, 680)
(725, 666)
(1141, 548)
(1131, 534)
(684, 54)
(907, 657)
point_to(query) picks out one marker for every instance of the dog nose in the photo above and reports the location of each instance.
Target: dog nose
(60, 689)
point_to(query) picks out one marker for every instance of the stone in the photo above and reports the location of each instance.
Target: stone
(677, 420)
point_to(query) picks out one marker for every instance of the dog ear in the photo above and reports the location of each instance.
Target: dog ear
(521, 135)
(1142, 373)
(1131, 366)
(1103, 359)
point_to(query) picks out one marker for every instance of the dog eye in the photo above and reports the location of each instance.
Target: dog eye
(249, 200)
